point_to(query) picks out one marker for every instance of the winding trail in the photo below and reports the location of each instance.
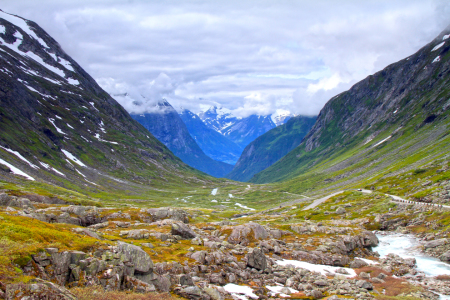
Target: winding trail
(321, 200)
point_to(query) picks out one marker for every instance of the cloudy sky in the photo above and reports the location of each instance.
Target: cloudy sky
(247, 56)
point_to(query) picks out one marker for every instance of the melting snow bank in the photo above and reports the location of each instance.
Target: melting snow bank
(214, 192)
(408, 246)
(240, 291)
(243, 206)
(277, 290)
(72, 158)
(15, 170)
(322, 269)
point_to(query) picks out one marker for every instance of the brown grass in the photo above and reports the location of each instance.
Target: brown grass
(97, 293)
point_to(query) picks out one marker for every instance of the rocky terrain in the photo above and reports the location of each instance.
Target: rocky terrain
(261, 256)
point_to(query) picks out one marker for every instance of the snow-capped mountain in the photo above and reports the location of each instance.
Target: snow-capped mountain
(241, 131)
(218, 118)
(281, 116)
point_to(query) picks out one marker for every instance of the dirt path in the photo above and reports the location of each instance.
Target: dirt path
(321, 200)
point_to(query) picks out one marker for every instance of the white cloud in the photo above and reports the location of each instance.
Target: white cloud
(249, 56)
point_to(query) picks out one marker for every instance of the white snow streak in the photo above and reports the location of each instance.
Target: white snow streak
(214, 192)
(243, 206)
(437, 59)
(20, 156)
(15, 170)
(235, 289)
(323, 269)
(72, 158)
(382, 141)
(438, 46)
(48, 167)
(57, 129)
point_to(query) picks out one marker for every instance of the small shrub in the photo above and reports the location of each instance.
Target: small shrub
(419, 171)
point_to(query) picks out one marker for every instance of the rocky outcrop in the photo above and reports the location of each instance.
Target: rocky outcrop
(183, 231)
(243, 234)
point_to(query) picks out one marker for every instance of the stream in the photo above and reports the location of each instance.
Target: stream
(408, 246)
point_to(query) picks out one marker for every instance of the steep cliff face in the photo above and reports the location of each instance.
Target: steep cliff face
(270, 147)
(167, 126)
(401, 100)
(214, 144)
(58, 126)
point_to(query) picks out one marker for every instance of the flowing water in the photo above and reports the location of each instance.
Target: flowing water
(407, 246)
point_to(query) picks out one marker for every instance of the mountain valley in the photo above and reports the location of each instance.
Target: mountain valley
(96, 203)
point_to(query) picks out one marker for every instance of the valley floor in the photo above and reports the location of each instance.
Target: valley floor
(313, 249)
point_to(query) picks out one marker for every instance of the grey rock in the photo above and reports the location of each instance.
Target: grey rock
(358, 263)
(183, 230)
(364, 285)
(435, 243)
(256, 259)
(242, 234)
(137, 256)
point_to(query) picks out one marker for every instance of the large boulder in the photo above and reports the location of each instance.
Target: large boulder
(142, 261)
(156, 214)
(246, 233)
(435, 243)
(256, 259)
(183, 230)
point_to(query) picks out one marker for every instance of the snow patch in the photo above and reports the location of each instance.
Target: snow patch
(382, 141)
(243, 206)
(214, 192)
(277, 290)
(369, 261)
(230, 196)
(2, 29)
(73, 81)
(57, 129)
(48, 167)
(19, 22)
(437, 59)
(445, 37)
(66, 64)
(438, 46)
(322, 269)
(214, 201)
(92, 103)
(15, 170)
(97, 136)
(21, 157)
(240, 291)
(72, 158)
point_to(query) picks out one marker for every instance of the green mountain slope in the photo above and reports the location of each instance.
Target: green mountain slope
(392, 121)
(59, 128)
(270, 147)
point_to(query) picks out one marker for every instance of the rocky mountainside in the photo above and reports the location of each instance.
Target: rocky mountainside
(214, 144)
(167, 126)
(270, 147)
(59, 127)
(380, 124)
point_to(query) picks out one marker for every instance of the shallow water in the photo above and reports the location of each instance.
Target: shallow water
(407, 246)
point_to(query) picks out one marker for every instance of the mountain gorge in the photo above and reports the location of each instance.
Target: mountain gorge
(270, 147)
(214, 144)
(167, 126)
